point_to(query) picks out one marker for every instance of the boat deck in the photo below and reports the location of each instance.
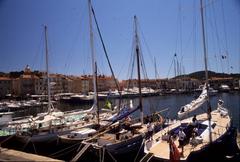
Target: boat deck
(161, 150)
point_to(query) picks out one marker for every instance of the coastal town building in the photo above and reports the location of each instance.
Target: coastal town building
(5, 86)
(25, 84)
(216, 82)
(164, 84)
(104, 83)
(58, 84)
(31, 83)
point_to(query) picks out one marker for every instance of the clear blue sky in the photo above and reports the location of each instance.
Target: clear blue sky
(166, 27)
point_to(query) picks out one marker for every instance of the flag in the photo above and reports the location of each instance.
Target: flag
(224, 57)
(108, 105)
(174, 153)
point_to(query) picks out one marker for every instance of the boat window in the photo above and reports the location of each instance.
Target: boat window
(182, 109)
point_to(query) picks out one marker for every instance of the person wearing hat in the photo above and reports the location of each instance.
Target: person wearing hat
(181, 138)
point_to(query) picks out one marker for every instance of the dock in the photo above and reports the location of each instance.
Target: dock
(13, 155)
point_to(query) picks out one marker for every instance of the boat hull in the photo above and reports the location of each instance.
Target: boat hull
(124, 151)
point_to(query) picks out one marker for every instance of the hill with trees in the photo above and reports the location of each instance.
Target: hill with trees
(200, 75)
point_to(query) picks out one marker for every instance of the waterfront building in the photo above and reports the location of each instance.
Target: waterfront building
(5, 86)
(36, 82)
(104, 82)
(25, 84)
(165, 84)
(58, 84)
(216, 82)
(78, 85)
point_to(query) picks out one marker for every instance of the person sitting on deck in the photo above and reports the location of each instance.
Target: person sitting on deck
(181, 136)
(194, 121)
(195, 139)
(146, 119)
(127, 123)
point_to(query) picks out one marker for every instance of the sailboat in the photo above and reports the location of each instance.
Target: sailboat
(52, 118)
(102, 120)
(211, 138)
(35, 133)
(194, 104)
(121, 137)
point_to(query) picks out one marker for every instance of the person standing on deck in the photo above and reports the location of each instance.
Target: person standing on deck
(150, 128)
(181, 136)
(174, 154)
(194, 121)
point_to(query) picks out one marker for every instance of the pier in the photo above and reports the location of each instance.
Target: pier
(13, 155)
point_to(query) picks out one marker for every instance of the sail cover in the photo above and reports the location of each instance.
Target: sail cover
(194, 104)
(124, 112)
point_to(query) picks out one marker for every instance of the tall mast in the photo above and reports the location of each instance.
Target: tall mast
(95, 65)
(48, 82)
(92, 52)
(175, 69)
(155, 67)
(105, 52)
(138, 69)
(206, 72)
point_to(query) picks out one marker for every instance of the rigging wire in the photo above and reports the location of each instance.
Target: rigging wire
(214, 41)
(51, 53)
(225, 35)
(146, 44)
(131, 56)
(150, 56)
(142, 63)
(39, 50)
(170, 68)
(69, 54)
(194, 35)
(131, 65)
(217, 37)
(181, 17)
(176, 43)
(105, 52)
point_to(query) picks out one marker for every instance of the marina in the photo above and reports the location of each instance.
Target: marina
(74, 102)
(158, 102)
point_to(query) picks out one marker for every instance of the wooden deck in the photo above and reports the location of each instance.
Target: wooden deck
(160, 149)
(13, 155)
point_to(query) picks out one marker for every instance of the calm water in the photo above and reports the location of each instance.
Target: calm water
(174, 102)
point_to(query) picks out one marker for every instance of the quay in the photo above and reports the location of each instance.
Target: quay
(13, 155)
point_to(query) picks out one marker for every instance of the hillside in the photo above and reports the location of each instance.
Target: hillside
(200, 75)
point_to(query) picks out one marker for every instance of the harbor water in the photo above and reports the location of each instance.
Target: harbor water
(174, 102)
